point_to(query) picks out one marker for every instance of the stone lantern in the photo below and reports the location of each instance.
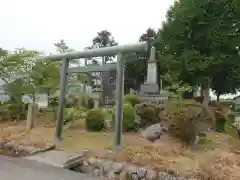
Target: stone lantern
(96, 94)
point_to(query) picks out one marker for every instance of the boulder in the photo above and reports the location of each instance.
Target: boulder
(153, 132)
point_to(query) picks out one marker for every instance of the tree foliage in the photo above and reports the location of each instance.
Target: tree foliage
(199, 43)
(14, 71)
(104, 38)
(45, 77)
(62, 47)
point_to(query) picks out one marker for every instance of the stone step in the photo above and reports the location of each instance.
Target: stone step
(58, 158)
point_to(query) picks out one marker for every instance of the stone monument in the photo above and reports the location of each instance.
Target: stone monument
(150, 90)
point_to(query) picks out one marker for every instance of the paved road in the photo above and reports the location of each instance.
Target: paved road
(23, 169)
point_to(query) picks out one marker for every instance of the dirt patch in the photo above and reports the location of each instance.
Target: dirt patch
(215, 158)
(13, 152)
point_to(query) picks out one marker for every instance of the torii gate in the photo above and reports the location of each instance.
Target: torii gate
(120, 51)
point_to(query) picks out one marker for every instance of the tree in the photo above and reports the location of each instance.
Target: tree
(136, 63)
(62, 47)
(104, 39)
(14, 69)
(199, 39)
(45, 77)
(225, 81)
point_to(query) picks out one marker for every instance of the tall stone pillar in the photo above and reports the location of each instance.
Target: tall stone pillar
(150, 90)
(152, 68)
(151, 85)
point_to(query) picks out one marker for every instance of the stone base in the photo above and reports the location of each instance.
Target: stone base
(158, 98)
(149, 89)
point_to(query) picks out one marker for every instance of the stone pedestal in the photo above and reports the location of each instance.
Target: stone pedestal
(31, 116)
(96, 94)
(150, 90)
(96, 103)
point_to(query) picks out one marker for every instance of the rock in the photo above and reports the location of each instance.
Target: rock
(134, 176)
(141, 172)
(9, 144)
(123, 175)
(28, 149)
(85, 169)
(96, 172)
(77, 169)
(153, 132)
(111, 175)
(98, 163)
(102, 173)
(131, 169)
(106, 166)
(92, 161)
(117, 167)
(75, 160)
(2, 143)
(85, 163)
(162, 175)
(151, 174)
(181, 178)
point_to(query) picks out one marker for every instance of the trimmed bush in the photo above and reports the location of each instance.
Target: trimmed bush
(149, 113)
(95, 119)
(128, 117)
(132, 99)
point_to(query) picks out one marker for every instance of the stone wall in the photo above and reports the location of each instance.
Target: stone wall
(121, 170)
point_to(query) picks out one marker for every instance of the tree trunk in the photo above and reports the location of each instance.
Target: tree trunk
(206, 94)
(201, 91)
(218, 97)
(34, 97)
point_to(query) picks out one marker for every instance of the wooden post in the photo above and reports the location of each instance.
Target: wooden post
(31, 116)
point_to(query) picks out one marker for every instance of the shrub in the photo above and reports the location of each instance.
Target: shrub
(53, 101)
(231, 117)
(199, 99)
(69, 103)
(132, 99)
(182, 124)
(80, 100)
(217, 106)
(69, 115)
(220, 121)
(148, 113)
(95, 119)
(231, 129)
(128, 117)
(90, 103)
